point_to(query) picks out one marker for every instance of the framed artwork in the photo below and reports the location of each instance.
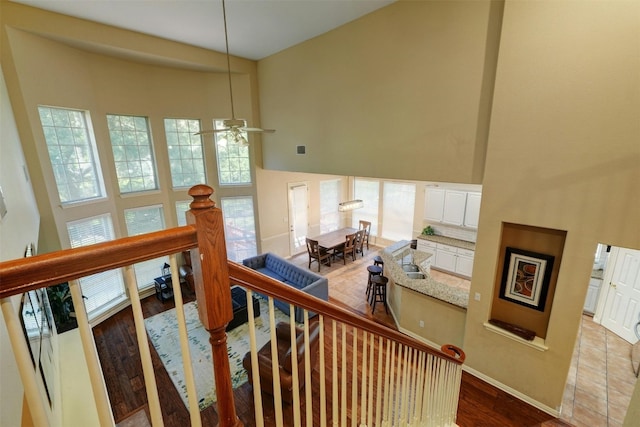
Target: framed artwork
(525, 278)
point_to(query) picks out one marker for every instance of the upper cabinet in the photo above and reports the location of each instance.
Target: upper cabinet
(453, 207)
(434, 204)
(472, 211)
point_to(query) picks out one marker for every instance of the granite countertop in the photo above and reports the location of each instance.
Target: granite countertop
(392, 256)
(464, 244)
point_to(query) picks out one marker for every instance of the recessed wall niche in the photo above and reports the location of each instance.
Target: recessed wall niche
(524, 247)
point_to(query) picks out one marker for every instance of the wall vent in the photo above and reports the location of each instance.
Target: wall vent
(301, 149)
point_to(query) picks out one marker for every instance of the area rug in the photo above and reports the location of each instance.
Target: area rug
(163, 332)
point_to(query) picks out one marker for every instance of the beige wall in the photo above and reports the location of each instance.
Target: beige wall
(273, 206)
(48, 69)
(402, 93)
(17, 229)
(564, 154)
(399, 93)
(413, 76)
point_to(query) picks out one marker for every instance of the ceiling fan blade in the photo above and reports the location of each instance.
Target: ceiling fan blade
(210, 131)
(258, 130)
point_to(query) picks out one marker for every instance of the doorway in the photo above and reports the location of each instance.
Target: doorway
(602, 376)
(619, 303)
(298, 217)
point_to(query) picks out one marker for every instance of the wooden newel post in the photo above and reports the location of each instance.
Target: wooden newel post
(213, 293)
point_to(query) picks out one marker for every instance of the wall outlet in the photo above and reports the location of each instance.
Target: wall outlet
(422, 323)
(477, 296)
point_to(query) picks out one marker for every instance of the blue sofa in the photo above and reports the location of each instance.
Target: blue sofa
(280, 269)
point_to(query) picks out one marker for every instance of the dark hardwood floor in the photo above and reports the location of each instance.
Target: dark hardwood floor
(480, 403)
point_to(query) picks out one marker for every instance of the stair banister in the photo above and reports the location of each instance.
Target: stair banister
(209, 259)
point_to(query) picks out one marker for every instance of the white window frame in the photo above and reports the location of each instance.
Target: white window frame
(330, 196)
(147, 168)
(185, 152)
(233, 243)
(60, 169)
(222, 139)
(110, 283)
(148, 270)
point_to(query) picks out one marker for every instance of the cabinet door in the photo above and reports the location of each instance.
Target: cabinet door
(424, 246)
(591, 301)
(434, 204)
(472, 211)
(464, 265)
(454, 205)
(446, 258)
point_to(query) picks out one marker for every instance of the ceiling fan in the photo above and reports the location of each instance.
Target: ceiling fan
(233, 127)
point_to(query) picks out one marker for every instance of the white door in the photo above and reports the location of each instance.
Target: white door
(622, 306)
(454, 205)
(298, 217)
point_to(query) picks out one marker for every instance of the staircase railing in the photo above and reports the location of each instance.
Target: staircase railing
(377, 376)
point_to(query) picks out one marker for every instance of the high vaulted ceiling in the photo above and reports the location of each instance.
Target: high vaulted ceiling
(256, 28)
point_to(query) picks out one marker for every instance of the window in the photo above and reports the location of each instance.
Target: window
(398, 203)
(132, 153)
(369, 193)
(234, 167)
(102, 290)
(140, 221)
(239, 227)
(181, 208)
(72, 153)
(329, 199)
(186, 159)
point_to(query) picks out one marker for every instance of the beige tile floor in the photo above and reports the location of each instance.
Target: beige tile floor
(601, 378)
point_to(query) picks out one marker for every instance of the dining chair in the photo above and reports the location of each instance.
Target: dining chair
(366, 226)
(349, 247)
(317, 253)
(360, 238)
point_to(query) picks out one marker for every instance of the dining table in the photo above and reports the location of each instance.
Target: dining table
(335, 238)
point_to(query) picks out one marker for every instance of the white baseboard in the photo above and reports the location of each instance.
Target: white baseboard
(553, 412)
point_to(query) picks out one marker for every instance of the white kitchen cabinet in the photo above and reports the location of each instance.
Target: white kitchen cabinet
(446, 260)
(454, 260)
(426, 246)
(434, 204)
(472, 211)
(464, 262)
(454, 207)
(593, 292)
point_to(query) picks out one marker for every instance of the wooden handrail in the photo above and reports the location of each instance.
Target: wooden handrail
(249, 278)
(25, 274)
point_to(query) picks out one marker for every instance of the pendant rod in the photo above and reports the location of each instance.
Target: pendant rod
(226, 41)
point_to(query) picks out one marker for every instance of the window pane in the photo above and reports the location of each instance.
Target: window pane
(186, 160)
(369, 193)
(141, 221)
(398, 202)
(234, 167)
(72, 154)
(101, 290)
(181, 208)
(132, 153)
(239, 227)
(329, 199)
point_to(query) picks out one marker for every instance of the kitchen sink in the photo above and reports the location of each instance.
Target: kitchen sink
(415, 275)
(410, 268)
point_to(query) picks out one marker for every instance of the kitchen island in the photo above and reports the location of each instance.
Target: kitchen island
(429, 310)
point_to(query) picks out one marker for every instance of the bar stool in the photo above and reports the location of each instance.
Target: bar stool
(379, 292)
(377, 260)
(374, 270)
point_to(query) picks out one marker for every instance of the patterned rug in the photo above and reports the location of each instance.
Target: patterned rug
(163, 332)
